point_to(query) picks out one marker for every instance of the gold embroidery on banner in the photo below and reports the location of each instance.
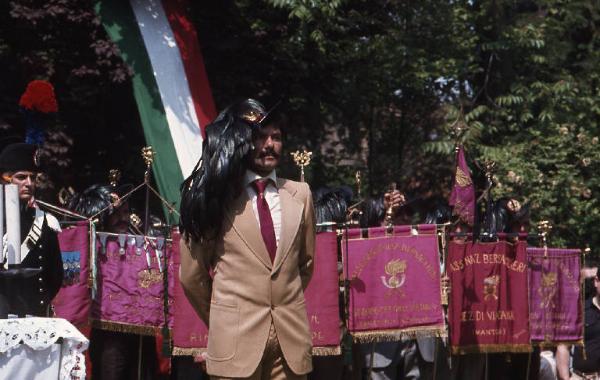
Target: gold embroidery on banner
(188, 351)
(136, 299)
(394, 268)
(490, 287)
(147, 278)
(428, 267)
(462, 179)
(547, 290)
(491, 348)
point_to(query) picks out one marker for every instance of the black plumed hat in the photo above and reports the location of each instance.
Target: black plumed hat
(96, 198)
(19, 157)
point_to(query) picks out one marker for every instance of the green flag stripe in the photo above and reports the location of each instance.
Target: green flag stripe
(120, 24)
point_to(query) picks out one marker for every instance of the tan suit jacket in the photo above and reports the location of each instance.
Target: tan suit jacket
(247, 291)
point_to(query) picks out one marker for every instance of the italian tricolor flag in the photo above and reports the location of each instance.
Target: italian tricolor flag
(158, 41)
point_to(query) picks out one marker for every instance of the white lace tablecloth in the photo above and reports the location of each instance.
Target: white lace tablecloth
(40, 334)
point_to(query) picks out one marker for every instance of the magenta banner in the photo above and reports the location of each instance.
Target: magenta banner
(488, 309)
(463, 192)
(322, 300)
(73, 301)
(190, 334)
(130, 293)
(555, 295)
(394, 283)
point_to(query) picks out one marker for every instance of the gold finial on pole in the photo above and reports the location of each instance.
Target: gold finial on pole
(114, 176)
(135, 220)
(489, 167)
(302, 159)
(544, 227)
(458, 128)
(148, 156)
(389, 213)
(358, 180)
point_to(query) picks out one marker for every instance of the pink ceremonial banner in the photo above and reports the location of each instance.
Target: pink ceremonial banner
(73, 300)
(555, 304)
(190, 334)
(394, 279)
(322, 297)
(130, 295)
(488, 310)
(462, 198)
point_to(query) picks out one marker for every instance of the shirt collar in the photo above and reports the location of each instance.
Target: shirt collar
(252, 176)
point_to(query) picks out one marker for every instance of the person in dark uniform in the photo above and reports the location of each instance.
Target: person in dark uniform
(30, 295)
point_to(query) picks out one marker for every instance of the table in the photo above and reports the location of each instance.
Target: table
(41, 348)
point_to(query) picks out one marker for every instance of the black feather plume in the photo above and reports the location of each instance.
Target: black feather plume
(217, 179)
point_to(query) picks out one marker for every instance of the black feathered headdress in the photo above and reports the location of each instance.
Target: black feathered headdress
(96, 198)
(331, 205)
(217, 178)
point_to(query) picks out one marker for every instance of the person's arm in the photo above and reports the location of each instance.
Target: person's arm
(563, 356)
(194, 276)
(307, 251)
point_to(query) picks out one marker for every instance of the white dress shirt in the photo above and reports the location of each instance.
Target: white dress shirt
(271, 195)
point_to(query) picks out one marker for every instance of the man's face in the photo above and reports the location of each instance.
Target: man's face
(118, 221)
(25, 180)
(268, 145)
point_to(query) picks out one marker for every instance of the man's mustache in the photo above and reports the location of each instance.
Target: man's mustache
(268, 152)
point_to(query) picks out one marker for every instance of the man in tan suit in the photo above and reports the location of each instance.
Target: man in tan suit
(247, 282)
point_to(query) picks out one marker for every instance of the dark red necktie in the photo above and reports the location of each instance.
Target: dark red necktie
(264, 216)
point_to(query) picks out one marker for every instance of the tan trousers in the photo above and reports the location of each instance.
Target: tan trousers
(272, 365)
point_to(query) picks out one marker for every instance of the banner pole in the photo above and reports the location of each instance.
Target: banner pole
(486, 366)
(445, 291)
(347, 355)
(528, 365)
(371, 360)
(583, 258)
(435, 357)
(139, 363)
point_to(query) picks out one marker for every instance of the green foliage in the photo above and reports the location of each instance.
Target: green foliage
(97, 126)
(520, 78)
(534, 110)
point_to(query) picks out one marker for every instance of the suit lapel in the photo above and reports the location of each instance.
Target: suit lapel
(245, 225)
(291, 216)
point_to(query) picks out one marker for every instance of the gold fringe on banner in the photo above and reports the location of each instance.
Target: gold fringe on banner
(396, 335)
(552, 344)
(125, 327)
(327, 351)
(188, 351)
(492, 349)
(316, 351)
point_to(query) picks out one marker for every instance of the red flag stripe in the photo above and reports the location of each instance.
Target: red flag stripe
(193, 63)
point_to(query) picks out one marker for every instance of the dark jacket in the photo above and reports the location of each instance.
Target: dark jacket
(33, 294)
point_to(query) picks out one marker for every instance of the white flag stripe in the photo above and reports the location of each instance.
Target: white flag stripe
(172, 82)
